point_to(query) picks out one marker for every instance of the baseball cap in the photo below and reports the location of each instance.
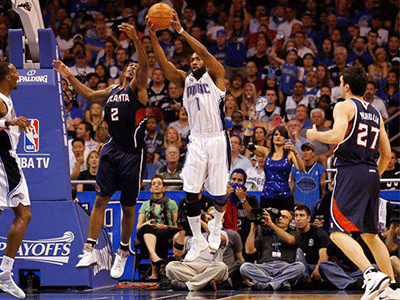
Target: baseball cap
(80, 54)
(307, 146)
(271, 75)
(291, 49)
(221, 32)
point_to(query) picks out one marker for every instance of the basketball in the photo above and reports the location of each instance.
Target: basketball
(160, 15)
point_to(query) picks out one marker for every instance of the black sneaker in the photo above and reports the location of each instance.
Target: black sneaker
(177, 285)
(286, 286)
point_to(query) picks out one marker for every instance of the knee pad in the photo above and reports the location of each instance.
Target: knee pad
(193, 207)
(220, 200)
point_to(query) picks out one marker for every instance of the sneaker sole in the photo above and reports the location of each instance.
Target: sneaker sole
(85, 267)
(204, 249)
(382, 285)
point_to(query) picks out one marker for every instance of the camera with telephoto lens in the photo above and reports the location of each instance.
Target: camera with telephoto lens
(257, 214)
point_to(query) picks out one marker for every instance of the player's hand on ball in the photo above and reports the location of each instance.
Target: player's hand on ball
(175, 22)
(61, 68)
(150, 26)
(129, 30)
(312, 133)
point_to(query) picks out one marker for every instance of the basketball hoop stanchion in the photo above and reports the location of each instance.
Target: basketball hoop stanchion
(55, 236)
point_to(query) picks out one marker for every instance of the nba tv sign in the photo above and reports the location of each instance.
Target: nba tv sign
(31, 138)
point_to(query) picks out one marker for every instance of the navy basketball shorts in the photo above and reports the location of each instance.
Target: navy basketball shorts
(355, 199)
(120, 170)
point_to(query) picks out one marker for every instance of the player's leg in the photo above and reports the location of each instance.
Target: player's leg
(193, 176)
(15, 236)
(216, 183)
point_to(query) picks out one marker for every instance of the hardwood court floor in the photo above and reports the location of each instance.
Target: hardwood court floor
(111, 293)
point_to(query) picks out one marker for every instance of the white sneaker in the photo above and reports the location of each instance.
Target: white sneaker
(374, 283)
(388, 294)
(198, 245)
(118, 267)
(8, 285)
(88, 258)
(214, 238)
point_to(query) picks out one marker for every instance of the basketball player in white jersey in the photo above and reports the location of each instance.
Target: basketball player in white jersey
(207, 156)
(13, 188)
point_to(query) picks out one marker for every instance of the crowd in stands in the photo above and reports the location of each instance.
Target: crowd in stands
(292, 52)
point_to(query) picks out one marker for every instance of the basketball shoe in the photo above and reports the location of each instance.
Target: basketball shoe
(8, 285)
(214, 239)
(198, 245)
(374, 283)
(88, 258)
(118, 267)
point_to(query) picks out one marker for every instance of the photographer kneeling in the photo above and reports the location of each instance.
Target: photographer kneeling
(276, 245)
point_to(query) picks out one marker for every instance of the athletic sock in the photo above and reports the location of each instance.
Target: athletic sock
(92, 242)
(195, 226)
(369, 270)
(7, 263)
(218, 217)
(123, 246)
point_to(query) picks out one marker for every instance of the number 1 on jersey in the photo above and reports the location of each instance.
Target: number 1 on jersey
(198, 103)
(114, 114)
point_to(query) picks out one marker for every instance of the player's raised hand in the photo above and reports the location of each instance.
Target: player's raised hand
(150, 27)
(22, 122)
(129, 30)
(61, 68)
(312, 133)
(175, 22)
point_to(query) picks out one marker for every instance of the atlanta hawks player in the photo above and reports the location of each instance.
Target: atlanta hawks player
(207, 157)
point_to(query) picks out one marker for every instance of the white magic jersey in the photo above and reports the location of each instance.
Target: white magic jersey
(204, 104)
(13, 131)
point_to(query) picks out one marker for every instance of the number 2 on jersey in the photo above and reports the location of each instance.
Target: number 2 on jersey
(114, 114)
(363, 135)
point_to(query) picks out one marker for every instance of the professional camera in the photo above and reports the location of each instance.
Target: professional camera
(257, 214)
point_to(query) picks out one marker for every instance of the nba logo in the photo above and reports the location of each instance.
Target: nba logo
(32, 137)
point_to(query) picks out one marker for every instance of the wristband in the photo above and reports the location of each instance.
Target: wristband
(243, 201)
(3, 123)
(180, 30)
(251, 129)
(178, 246)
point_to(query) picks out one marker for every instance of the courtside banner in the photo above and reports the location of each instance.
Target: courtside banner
(43, 152)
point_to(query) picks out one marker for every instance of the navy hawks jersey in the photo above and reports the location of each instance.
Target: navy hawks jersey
(126, 118)
(361, 142)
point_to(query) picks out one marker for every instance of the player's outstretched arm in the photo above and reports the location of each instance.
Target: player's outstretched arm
(342, 114)
(83, 90)
(215, 68)
(384, 149)
(170, 72)
(140, 81)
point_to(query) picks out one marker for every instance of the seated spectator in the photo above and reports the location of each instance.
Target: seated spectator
(392, 243)
(302, 45)
(301, 113)
(379, 69)
(324, 103)
(230, 107)
(238, 161)
(92, 162)
(220, 50)
(307, 68)
(237, 124)
(157, 224)
(325, 56)
(359, 50)
(236, 82)
(323, 76)
(170, 106)
(340, 57)
(233, 258)
(85, 132)
(260, 58)
(77, 162)
(172, 169)
(322, 150)
(95, 117)
(259, 138)
(249, 98)
(106, 56)
(295, 99)
(103, 74)
(394, 50)
(276, 265)
(172, 138)
(313, 243)
(375, 101)
(73, 114)
(392, 171)
(120, 63)
(311, 88)
(154, 140)
(181, 55)
(182, 125)
(81, 67)
(272, 108)
(206, 271)
(294, 128)
(157, 91)
(64, 38)
(308, 186)
(240, 204)
(256, 175)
